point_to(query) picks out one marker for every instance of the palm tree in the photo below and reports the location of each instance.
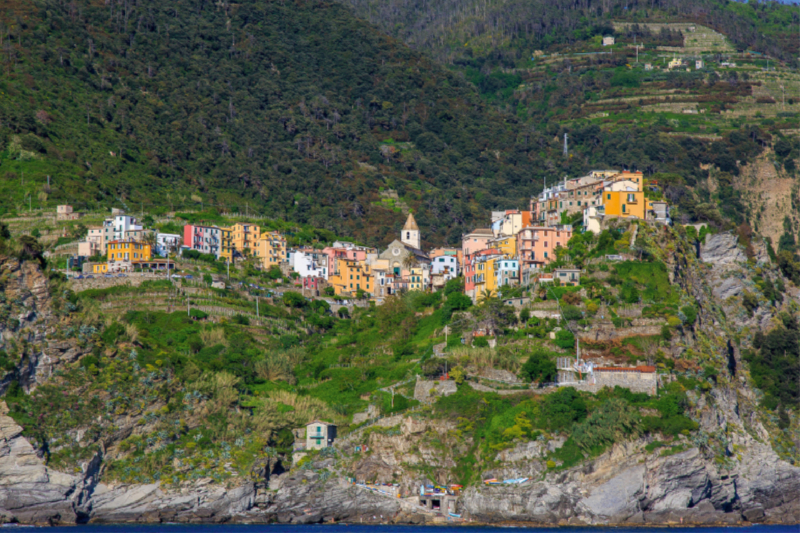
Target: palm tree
(410, 261)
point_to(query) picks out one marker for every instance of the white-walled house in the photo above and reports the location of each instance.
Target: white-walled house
(445, 264)
(309, 263)
(167, 242)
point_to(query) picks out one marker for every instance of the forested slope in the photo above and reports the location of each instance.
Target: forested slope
(293, 108)
(506, 31)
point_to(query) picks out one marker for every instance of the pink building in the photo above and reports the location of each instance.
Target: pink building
(470, 274)
(536, 244)
(350, 252)
(475, 241)
(204, 239)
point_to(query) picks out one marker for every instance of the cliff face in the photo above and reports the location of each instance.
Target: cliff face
(726, 473)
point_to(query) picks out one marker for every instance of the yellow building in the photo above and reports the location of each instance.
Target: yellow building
(418, 279)
(127, 251)
(244, 238)
(271, 249)
(350, 276)
(226, 244)
(100, 268)
(507, 244)
(624, 204)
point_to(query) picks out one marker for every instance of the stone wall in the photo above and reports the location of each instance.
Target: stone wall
(423, 388)
(133, 279)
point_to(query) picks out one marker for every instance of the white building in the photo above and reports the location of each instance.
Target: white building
(309, 263)
(608, 40)
(116, 228)
(698, 64)
(445, 264)
(167, 242)
(506, 272)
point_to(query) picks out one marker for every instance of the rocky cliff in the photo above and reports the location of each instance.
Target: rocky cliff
(725, 473)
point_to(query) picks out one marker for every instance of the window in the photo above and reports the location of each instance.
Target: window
(545, 255)
(623, 208)
(609, 196)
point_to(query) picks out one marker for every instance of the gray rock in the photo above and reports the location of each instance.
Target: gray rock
(618, 495)
(722, 249)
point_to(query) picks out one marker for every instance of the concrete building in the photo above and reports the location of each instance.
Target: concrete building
(320, 435)
(608, 40)
(167, 243)
(89, 248)
(568, 276)
(64, 212)
(475, 271)
(244, 238)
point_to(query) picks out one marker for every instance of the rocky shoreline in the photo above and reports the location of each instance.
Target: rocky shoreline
(681, 489)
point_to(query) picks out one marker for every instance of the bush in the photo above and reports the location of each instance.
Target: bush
(480, 342)
(571, 312)
(690, 314)
(539, 367)
(294, 299)
(196, 313)
(241, 320)
(565, 339)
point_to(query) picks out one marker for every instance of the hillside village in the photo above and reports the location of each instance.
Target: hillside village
(515, 250)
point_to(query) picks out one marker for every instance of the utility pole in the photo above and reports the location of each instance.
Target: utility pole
(566, 147)
(258, 315)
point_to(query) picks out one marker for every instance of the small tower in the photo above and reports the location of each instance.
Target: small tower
(410, 233)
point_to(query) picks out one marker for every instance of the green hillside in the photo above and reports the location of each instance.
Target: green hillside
(304, 112)
(296, 110)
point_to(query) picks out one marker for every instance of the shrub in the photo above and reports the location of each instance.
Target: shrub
(565, 339)
(690, 314)
(539, 367)
(480, 342)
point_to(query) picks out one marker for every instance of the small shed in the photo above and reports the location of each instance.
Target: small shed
(608, 40)
(320, 435)
(568, 276)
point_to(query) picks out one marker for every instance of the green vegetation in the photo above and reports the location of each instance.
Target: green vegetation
(775, 364)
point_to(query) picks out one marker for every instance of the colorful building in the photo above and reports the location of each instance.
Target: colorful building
(203, 239)
(244, 238)
(475, 241)
(537, 244)
(419, 278)
(127, 251)
(350, 277)
(507, 244)
(271, 248)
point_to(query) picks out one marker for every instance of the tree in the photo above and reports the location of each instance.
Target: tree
(30, 248)
(539, 368)
(294, 299)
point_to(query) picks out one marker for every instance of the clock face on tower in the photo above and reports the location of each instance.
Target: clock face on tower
(396, 251)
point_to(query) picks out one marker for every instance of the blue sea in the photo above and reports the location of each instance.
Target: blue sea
(168, 528)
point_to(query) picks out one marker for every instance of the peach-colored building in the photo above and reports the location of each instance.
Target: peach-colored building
(347, 251)
(536, 245)
(475, 241)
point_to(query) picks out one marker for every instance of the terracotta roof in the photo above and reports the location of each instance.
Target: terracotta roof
(411, 224)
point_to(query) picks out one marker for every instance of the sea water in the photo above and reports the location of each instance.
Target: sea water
(179, 528)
